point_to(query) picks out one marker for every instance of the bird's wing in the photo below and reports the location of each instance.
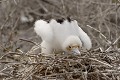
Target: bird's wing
(61, 30)
(86, 41)
(43, 29)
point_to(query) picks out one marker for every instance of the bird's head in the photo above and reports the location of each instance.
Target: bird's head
(72, 44)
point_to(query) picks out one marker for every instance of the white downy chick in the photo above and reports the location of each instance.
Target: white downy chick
(61, 36)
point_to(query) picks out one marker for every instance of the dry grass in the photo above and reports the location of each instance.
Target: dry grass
(20, 57)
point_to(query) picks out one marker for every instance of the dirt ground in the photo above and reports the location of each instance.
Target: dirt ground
(20, 57)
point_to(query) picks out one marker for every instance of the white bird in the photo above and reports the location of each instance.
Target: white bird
(61, 35)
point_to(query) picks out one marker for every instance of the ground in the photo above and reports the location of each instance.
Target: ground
(20, 57)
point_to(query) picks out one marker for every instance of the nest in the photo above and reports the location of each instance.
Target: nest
(90, 65)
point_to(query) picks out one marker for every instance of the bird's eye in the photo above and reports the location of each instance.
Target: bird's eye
(78, 46)
(70, 47)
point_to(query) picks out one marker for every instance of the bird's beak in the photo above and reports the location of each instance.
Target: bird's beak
(76, 51)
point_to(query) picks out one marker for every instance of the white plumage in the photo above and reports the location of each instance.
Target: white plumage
(65, 36)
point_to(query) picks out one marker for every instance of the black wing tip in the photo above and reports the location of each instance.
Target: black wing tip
(61, 20)
(69, 19)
